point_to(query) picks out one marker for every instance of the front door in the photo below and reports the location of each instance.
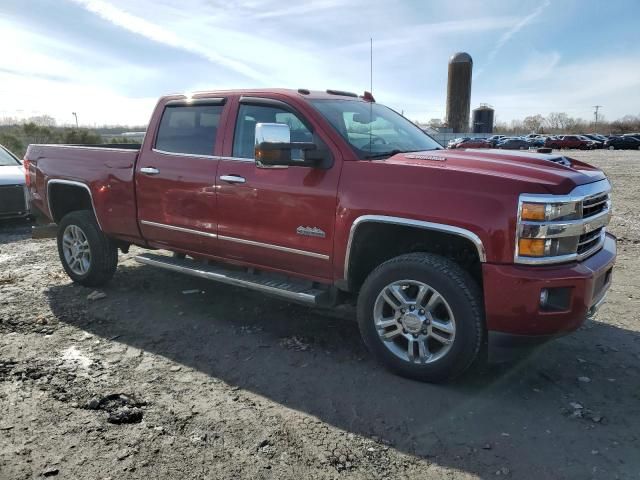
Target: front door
(175, 178)
(279, 218)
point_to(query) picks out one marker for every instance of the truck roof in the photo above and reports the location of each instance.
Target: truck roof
(288, 92)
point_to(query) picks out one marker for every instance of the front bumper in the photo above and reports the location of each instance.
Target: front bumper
(512, 296)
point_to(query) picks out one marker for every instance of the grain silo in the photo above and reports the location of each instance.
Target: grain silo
(459, 91)
(482, 119)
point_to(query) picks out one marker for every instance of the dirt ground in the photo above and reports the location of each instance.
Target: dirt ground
(155, 381)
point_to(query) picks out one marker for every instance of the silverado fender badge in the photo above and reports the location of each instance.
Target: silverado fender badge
(434, 158)
(310, 232)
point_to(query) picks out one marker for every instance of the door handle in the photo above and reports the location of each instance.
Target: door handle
(233, 178)
(149, 170)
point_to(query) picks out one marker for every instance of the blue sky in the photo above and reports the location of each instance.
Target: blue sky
(109, 60)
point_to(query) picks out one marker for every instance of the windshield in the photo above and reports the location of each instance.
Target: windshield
(6, 159)
(373, 130)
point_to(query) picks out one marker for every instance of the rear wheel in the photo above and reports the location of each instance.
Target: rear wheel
(421, 316)
(88, 256)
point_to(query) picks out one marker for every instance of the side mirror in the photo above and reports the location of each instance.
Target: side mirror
(273, 146)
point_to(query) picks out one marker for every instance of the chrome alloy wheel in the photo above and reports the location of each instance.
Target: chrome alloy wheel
(414, 321)
(75, 247)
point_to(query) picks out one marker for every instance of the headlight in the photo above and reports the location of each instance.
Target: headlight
(561, 228)
(539, 212)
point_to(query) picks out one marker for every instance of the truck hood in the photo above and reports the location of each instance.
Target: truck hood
(11, 175)
(555, 173)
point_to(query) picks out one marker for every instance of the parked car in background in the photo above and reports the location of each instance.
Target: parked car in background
(494, 139)
(597, 137)
(513, 143)
(472, 143)
(595, 143)
(13, 194)
(456, 141)
(635, 136)
(570, 141)
(622, 143)
(535, 141)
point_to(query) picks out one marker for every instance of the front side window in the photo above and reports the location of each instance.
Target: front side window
(373, 130)
(250, 115)
(189, 129)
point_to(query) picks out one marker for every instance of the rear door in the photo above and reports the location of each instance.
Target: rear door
(281, 217)
(175, 176)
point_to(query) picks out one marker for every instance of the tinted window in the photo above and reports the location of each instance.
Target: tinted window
(185, 129)
(250, 115)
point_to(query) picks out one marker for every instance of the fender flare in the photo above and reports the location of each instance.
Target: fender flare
(74, 184)
(408, 222)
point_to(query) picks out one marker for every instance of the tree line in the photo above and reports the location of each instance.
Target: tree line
(560, 122)
(17, 136)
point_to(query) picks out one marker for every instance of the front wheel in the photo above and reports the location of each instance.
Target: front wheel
(88, 256)
(421, 316)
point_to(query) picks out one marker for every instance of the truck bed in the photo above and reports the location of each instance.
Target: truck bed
(106, 170)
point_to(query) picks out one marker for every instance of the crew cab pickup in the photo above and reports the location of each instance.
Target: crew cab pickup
(329, 198)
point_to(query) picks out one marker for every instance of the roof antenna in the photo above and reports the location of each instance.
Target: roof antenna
(370, 90)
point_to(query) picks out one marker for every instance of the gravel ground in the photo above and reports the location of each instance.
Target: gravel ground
(154, 381)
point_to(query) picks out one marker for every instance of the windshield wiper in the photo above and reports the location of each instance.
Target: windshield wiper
(390, 153)
(395, 151)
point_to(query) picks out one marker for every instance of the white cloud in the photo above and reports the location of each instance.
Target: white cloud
(570, 87)
(539, 66)
(165, 36)
(317, 45)
(24, 97)
(516, 28)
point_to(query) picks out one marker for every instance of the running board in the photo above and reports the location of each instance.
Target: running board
(300, 292)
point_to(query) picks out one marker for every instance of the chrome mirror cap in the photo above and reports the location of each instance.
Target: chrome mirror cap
(272, 133)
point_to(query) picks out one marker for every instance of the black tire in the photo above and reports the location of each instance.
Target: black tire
(104, 253)
(459, 290)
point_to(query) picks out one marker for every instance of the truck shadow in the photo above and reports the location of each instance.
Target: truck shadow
(14, 230)
(518, 417)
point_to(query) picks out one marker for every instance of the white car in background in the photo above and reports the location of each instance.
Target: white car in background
(13, 192)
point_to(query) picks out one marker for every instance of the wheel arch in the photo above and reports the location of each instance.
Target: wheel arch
(65, 196)
(396, 235)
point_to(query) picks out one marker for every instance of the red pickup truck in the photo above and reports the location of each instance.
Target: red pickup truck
(327, 198)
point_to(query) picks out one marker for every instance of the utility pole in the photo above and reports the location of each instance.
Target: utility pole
(75, 115)
(595, 114)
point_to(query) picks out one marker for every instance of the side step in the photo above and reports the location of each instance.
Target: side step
(303, 292)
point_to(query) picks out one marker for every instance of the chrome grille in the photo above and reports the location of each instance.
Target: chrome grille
(594, 205)
(589, 240)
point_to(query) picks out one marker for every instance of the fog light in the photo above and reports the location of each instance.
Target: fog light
(544, 297)
(555, 299)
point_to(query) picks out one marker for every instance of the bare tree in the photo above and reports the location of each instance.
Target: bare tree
(43, 120)
(533, 123)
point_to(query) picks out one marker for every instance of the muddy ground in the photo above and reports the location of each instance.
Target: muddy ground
(153, 382)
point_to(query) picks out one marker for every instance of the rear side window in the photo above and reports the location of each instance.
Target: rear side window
(189, 129)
